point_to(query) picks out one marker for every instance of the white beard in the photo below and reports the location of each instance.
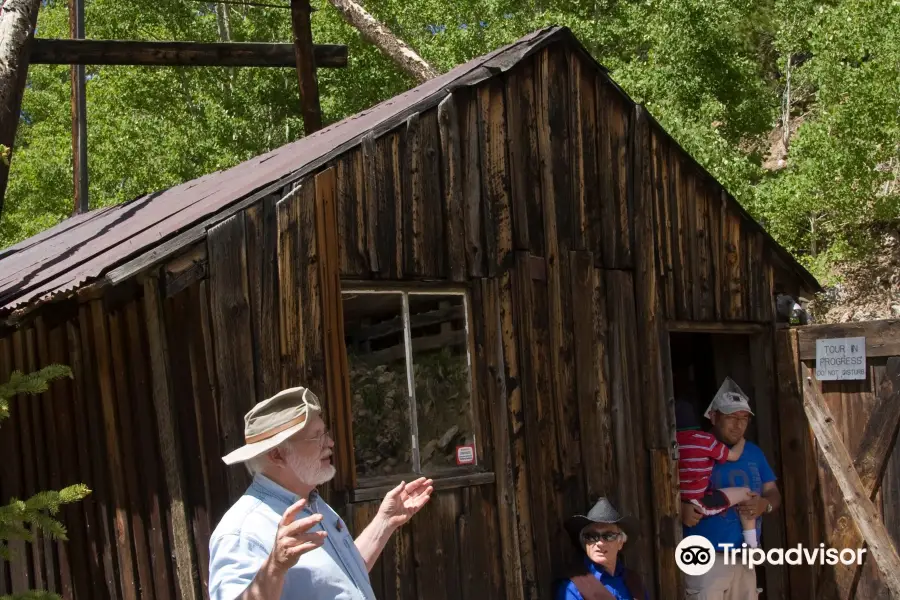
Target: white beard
(309, 469)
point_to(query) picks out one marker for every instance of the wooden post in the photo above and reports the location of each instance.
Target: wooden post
(306, 66)
(17, 21)
(79, 114)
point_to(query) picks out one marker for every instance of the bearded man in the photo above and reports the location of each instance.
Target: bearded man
(280, 539)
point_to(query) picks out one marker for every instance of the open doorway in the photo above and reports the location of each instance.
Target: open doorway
(702, 361)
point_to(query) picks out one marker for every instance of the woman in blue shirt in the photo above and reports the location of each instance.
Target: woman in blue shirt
(598, 574)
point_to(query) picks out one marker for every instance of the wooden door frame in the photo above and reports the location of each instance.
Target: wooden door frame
(760, 339)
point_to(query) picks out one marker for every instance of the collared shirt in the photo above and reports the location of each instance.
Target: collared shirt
(615, 583)
(245, 537)
(751, 470)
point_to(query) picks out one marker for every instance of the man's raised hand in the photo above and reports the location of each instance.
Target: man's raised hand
(293, 540)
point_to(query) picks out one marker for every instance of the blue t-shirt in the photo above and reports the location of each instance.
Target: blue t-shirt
(615, 583)
(751, 470)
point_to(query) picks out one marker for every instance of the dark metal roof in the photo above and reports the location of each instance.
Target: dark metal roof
(114, 242)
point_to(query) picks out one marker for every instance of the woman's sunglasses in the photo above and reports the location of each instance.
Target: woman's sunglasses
(592, 538)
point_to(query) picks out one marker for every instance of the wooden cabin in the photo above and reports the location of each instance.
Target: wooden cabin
(499, 279)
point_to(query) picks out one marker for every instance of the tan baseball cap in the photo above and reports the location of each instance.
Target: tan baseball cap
(274, 420)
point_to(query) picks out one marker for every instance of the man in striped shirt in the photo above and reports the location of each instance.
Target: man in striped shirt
(698, 451)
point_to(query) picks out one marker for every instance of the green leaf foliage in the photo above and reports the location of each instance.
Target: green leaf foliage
(713, 72)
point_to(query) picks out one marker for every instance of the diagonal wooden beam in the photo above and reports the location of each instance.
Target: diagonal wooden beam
(870, 463)
(855, 494)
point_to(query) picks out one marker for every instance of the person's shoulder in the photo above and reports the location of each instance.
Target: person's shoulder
(247, 514)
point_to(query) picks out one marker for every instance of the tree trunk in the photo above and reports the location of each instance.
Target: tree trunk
(17, 21)
(379, 35)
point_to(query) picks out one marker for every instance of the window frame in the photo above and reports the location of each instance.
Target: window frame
(366, 488)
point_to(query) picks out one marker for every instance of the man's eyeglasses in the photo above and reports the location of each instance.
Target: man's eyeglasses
(319, 438)
(593, 537)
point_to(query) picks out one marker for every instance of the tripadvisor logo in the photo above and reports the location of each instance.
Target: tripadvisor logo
(695, 555)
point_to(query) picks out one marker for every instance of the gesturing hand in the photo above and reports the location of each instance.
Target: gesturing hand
(405, 500)
(292, 540)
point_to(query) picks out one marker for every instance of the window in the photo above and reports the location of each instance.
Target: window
(410, 382)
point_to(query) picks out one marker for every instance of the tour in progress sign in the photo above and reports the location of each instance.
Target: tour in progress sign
(841, 359)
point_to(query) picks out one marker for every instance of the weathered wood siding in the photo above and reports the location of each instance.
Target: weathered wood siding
(579, 228)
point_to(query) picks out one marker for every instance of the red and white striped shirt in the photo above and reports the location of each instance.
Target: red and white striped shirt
(697, 452)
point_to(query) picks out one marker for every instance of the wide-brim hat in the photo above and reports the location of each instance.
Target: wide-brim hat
(603, 511)
(274, 420)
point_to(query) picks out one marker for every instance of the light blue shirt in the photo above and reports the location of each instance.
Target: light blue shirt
(245, 537)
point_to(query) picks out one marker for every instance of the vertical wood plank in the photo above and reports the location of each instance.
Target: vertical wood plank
(290, 273)
(45, 569)
(703, 297)
(97, 504)
(615, 119)
(58, 553)
(204, 400)
(511, 308)
(358, 518)
(352, 214)
(434, 559)
(433, 249)
(716, 238)
(327, 325)
(232, 336)
(663, 221)
(169, 442)
(179, 319)
(452, 177)
(413, 210)
(389, 241)
(733, 294)
(802, 523)
(498, 226)
(592, 377)
(130, 462)
(553, 134)
(539, 426)
(148, 452)
(114, 458)
(681, 265)
(578, 124)
(632, 460)
(369, 198)
(479, 571)
(75, 551)
(650, 329)
(589, 193)
(524, 160)
(262, 271)
(504, 465)
(649, 320)
(471, 177)
(762, 357)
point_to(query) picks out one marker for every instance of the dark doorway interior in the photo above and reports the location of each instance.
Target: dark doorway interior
(700, 363)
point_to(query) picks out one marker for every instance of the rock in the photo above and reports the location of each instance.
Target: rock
(392, 461)
(428, 451)
(448, 437)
